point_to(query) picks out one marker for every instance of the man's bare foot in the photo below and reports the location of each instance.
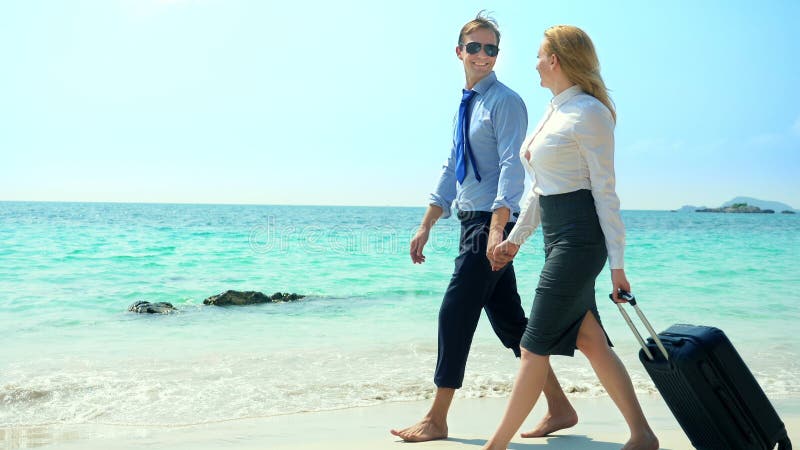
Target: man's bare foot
(425, 430)
(646, 441)
(550, 424)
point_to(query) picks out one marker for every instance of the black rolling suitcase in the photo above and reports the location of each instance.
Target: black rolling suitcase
(708, 388)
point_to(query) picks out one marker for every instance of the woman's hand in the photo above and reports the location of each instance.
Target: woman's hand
(503, 254)
(619, 281)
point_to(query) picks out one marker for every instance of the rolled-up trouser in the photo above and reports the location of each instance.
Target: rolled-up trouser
(473, 287)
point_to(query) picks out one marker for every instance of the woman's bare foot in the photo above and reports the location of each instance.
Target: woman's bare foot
(645, 441)
(551, 424)
(425, 430)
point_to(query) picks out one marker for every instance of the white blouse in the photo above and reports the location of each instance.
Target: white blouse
(571, 149)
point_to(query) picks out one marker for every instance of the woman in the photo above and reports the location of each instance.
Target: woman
(570, 157)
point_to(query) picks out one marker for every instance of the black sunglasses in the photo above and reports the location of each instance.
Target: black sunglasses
(474, 47)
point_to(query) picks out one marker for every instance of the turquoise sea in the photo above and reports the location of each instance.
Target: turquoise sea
(70, 353)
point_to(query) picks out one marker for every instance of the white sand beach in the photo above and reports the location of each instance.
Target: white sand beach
(472, 420)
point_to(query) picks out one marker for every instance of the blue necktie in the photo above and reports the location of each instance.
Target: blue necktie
(463, 150)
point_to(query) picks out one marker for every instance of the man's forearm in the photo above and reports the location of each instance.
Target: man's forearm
(432, 214)
(499, 219)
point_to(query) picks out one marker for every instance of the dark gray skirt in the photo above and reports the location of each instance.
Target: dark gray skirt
(575, 254)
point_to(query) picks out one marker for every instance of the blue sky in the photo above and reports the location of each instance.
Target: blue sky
(352, 103)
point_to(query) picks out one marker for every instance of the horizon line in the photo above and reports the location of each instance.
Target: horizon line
(267, 204)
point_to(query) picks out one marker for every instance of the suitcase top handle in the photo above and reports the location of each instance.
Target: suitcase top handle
(629, 298)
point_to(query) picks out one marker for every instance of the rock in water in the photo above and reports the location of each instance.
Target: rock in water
(249, 298)
(285, 297)
(237, 298)
(144, 307)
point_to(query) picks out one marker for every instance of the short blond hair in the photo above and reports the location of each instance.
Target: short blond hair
(482, 20)
(578, 59)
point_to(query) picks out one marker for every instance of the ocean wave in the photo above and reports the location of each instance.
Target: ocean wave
(11, 394)
(220, 388)
(173, 403)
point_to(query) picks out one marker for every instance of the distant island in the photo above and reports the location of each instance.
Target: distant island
(743, 205)
(738, 208)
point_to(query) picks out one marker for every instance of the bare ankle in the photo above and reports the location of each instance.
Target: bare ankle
(424, 430)
(435, 420)
(644, 440)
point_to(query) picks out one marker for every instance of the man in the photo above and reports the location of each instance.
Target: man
(485, 178)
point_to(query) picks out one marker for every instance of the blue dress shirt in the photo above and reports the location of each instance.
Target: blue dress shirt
(497, 127)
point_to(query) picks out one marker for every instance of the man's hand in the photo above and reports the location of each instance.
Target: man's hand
(497, 231)
(417, 244)
(495, 238)
(503, 254)
(421, 238)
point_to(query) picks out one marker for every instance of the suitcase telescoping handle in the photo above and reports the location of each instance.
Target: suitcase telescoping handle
(632, 300)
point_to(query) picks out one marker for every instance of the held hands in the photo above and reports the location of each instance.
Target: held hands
(503, 254)
(619, 281)
(497, 233)
(495, 237)
(417, 244)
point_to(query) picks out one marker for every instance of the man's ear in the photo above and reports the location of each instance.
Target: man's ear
(459, 49)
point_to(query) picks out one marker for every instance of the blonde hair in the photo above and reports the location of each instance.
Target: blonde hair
(482, 20)
(579, 62)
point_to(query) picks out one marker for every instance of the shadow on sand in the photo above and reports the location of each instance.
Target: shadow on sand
(572, 442)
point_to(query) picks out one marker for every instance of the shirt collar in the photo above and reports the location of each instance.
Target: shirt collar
(486, 82)
(565, 95)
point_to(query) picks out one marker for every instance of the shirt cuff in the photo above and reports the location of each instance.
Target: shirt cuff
(520, 233)
(503, 203)
(437, 200)
(616, 260)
